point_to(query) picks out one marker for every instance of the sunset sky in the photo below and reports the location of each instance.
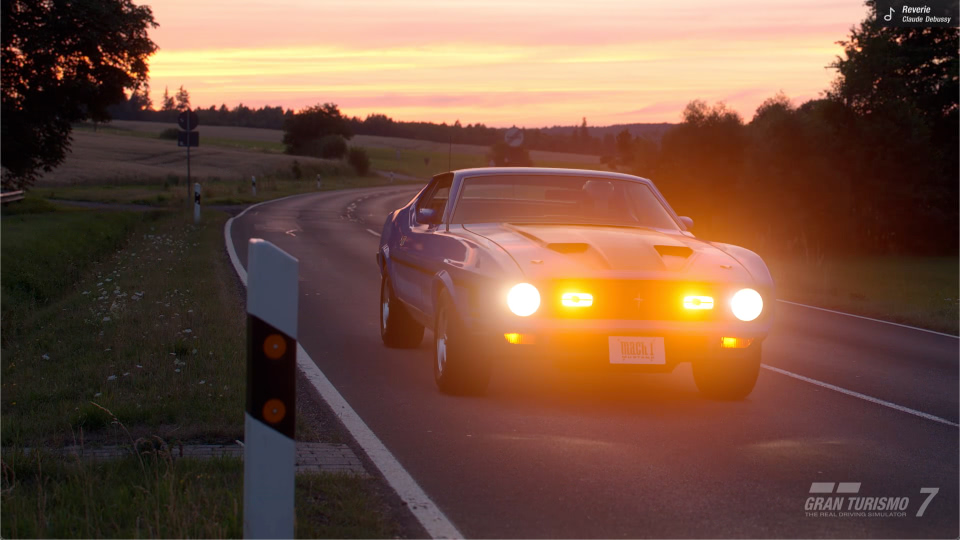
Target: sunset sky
(500, 62)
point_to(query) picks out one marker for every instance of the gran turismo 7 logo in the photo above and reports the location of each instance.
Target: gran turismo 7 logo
(843, 499)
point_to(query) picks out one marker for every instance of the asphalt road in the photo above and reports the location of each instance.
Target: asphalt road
(548, 454)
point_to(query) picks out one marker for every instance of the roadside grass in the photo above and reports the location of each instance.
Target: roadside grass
(153, 332)
(172, 192)
(154, 496)
(918, 291)
(46, 248)
(123, 328)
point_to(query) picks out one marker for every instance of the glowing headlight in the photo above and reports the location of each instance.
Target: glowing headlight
(523, 299)
(746, 304)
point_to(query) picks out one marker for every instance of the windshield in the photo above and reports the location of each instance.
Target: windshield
(560, 199)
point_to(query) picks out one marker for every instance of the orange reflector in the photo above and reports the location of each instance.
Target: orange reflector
(735, 343)
(520, 339)
(576, 299)
(698, 302)
(274, 410)
(274, 346)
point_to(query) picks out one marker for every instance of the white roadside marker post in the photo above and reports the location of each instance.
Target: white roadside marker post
(319, 182)
(391, 177)
(253, 185)
(196, 203)
(269, 451)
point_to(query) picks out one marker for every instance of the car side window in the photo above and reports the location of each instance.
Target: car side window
(436, 198)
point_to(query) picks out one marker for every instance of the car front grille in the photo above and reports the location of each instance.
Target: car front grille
(634, 300)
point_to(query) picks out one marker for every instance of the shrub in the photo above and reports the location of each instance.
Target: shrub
(359, 160)
(333, 147)
(295, 170)
(170, 134)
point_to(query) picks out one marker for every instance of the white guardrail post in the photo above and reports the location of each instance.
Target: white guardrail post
(253, 185)
(269, 448)
(196, 203)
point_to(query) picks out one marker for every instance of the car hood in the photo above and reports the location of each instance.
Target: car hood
(552, 251)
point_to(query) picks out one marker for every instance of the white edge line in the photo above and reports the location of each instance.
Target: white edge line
(423, 509)
(375, 233)
(869, 319)
(864, 397)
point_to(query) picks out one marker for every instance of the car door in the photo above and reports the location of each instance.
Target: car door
(420, 247)
(413, 268)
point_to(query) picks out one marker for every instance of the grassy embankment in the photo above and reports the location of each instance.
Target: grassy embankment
(128, 329)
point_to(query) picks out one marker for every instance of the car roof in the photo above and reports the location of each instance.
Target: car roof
(500, 171)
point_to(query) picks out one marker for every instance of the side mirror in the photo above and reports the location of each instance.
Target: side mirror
(428, 216)
(687, 222)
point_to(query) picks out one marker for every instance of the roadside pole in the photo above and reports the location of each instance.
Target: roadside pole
(253, 185)
(188, 154)
(269, 451)
(196, 203)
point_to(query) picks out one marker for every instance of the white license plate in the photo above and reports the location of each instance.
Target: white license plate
(637, 350)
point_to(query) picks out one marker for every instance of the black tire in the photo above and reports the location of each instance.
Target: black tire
(728, 379)
(459, 365)
(397, 328)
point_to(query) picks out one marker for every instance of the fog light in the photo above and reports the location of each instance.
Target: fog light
(735, 343)
(576, 299)
(520, 339)
(523, 299)
(698, 302)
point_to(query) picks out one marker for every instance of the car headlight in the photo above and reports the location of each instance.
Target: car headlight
(746, 304)
(523, 299)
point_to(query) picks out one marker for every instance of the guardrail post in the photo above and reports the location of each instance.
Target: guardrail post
(196, 203)
(270, 419)
(253, 184)
(319, 182)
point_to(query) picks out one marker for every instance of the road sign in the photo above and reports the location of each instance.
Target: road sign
(188, 138)
(514, 137)
(188, 116)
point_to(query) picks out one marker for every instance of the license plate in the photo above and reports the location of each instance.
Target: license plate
(637, 350)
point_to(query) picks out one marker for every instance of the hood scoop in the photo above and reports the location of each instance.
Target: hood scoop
(673, 251)
(568, 247)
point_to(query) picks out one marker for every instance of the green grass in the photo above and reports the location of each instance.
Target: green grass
(153, 332)
(119, 327)
(154, 496)
(46, 248)
(919, 291)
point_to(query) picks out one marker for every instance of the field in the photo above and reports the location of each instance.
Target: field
(126, 328)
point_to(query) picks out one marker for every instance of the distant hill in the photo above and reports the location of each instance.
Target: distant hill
(650, 131)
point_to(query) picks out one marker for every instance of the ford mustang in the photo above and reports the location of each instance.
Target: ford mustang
(591, 269)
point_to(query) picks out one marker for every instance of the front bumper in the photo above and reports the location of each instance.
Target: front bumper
(584, 343)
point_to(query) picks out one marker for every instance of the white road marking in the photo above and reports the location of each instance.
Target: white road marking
(423, 508)
(375, 233)
(869, 319)
(864, 397)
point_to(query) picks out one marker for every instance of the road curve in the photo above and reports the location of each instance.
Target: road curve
(548, 454)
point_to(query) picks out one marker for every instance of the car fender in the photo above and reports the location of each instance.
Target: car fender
(444, 281)
(751, 261)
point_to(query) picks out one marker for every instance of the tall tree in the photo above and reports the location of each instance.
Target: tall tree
(167, 103)
(182, 99)
(64, 62)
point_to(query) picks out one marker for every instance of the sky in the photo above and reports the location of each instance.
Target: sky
(499, 62)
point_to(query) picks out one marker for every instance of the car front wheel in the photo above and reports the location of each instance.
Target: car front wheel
(459, 366)
(728, 377)
(397, 328)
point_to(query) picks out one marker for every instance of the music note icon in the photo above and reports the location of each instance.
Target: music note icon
(889, 16)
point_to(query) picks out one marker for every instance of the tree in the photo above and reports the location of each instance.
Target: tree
(303, 131)
(167, 104)
(140, 99)
(64, 62)
(182, 99)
